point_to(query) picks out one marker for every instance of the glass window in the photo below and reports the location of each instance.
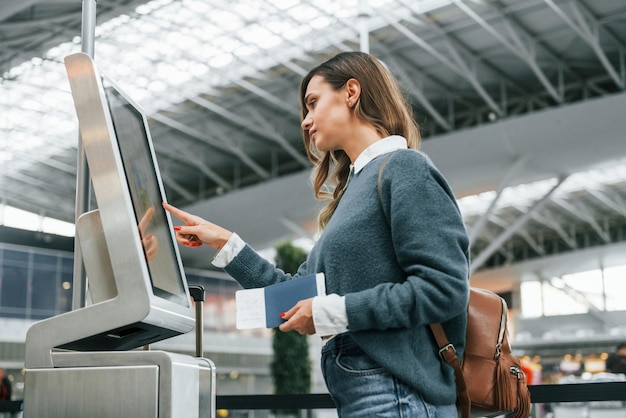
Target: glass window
(587, 287)
(559, 299)
(575, 293)
(45, 286)
(16, 258)
(35, 284)
(14, 291)
(66, 292)
(615, 288)
(531, 299)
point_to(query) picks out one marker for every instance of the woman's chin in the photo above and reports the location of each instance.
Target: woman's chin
(321, 146)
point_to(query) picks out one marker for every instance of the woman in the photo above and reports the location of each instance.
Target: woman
(393, 249)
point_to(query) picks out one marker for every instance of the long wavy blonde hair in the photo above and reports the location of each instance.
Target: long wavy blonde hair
(381, 103)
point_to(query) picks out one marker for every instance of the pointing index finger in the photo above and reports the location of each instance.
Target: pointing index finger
(180, 214)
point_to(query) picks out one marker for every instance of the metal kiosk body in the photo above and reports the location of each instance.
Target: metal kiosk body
(138, 384)
(91, 361)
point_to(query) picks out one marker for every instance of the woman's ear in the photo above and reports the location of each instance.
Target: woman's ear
(353, 92)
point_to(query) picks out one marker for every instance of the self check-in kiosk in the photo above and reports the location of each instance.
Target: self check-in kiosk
(89, 362)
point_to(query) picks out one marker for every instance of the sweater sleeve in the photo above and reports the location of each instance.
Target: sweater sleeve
(430, 244)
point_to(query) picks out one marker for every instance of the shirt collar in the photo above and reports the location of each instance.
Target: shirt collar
(384, 146)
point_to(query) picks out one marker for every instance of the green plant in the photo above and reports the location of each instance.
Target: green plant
(291, 365)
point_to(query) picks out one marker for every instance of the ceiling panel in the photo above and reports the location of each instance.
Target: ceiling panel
(506, 92)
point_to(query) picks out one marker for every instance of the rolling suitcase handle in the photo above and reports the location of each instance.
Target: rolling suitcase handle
(197, 293)
(206, 403)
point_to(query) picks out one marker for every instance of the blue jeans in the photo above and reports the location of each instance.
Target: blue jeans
(361, 388)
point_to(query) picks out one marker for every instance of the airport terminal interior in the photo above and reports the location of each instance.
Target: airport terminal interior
(521, 105)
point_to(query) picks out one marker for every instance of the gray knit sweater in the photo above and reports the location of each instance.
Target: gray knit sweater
(402, 262)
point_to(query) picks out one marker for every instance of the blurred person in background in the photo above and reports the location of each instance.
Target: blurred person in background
(616, 362)
(5, 386)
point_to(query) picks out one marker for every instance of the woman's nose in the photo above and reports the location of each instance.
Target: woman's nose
(306, 123)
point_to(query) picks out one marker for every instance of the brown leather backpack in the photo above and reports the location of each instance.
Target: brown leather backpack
(489, 379)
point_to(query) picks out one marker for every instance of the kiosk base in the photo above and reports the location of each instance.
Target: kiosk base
(136, 384)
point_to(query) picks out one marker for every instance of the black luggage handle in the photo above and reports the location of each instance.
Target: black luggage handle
(197, 294)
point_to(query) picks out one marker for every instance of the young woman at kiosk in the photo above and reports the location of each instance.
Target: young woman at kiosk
(393, 247)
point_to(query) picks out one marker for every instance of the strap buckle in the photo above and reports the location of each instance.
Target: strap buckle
(446, 348)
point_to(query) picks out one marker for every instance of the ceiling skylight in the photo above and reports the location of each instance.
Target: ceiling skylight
(168, 51)
(525, 195)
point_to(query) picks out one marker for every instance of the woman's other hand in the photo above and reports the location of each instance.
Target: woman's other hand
(299, 318)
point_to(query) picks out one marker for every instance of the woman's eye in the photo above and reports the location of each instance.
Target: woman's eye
(312, 103)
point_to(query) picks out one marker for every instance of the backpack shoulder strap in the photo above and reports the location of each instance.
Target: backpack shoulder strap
(380, 176)
(447, 352)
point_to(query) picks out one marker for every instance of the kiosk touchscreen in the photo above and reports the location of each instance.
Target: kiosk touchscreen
(137, 285)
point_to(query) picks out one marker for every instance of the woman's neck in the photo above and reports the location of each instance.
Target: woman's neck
(363, 136)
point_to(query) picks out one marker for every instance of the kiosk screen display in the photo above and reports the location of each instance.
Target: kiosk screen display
(146, 195)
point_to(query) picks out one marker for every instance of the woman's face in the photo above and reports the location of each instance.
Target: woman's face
(328, 115)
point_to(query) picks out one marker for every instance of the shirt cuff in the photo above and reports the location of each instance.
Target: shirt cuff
(329, 315)
(229, 251)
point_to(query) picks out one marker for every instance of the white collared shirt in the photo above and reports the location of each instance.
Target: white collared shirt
(383, 146)
(329, 312)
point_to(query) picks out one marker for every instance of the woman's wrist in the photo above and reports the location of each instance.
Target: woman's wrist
(228, 251)
(223, 238)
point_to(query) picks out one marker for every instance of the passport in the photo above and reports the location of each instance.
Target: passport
(261, 307)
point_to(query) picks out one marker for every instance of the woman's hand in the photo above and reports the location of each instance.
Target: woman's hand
(299, 318)
(197, 231)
